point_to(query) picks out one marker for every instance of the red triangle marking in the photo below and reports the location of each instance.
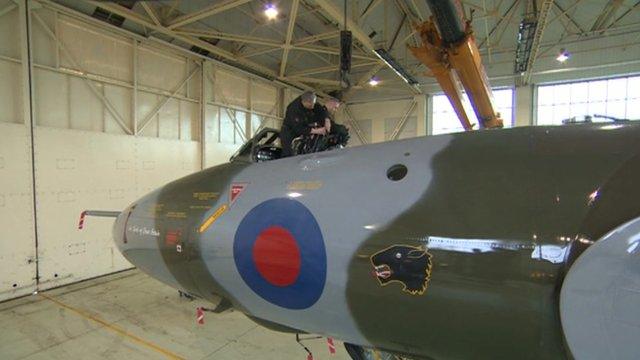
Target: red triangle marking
(236, 190)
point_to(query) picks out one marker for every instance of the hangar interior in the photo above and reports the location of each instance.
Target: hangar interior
(102, 102)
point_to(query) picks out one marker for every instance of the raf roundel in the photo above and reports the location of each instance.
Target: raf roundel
(280, 254)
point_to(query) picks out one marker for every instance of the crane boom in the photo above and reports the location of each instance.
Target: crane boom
(450, 52)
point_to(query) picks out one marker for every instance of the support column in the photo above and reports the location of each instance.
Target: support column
(429, 115)
(24, 8)
(523, 109)
(247, 119)
(421, 113)
(203, 114)
(134, 100)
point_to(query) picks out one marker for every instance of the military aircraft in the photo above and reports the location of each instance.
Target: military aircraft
(515, 243)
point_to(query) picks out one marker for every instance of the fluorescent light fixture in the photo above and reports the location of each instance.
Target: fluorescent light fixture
(385, 56)
(294, 194)
(271, 11)
(374, 81)
(563, 56)
(611, 127)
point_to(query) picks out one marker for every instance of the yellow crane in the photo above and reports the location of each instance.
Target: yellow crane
(450, 52)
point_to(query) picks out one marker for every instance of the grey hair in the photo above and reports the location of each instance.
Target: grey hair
(308, 96)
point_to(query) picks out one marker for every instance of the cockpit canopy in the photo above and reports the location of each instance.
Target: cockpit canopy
(264, 146)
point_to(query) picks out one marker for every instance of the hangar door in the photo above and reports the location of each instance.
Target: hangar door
(17, 239)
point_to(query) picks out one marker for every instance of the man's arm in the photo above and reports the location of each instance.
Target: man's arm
(322, 114)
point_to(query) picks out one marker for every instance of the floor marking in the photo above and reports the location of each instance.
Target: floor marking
(116, 329)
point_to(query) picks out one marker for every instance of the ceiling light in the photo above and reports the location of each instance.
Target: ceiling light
(563, 55)
(392, 63)
(271, 11)
(374, 81)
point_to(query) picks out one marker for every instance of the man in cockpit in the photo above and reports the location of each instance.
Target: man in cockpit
(300, 115)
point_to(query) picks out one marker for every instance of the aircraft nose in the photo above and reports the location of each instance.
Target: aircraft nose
(137, 237)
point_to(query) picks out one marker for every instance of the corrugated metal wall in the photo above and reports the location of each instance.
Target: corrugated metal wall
(114, 118)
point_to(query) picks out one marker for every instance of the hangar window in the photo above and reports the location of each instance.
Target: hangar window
(446, 121)
(618, 98)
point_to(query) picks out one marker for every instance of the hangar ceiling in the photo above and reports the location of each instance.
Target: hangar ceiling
(301, 46)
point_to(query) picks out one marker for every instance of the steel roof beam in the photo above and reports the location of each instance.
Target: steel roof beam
(537, 38)
(606, 14)
(7, 9)
(360, 35)
(99, 94)
(152, 14)
(331, 68)
(228, 36)
(216, 8)
(139, 19)
(318, 37)
(372, 5)
(629, 10)
(337, 15)
(287, 45)
(565, 15)
(398, 129)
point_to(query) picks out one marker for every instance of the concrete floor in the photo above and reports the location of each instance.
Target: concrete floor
(131, 316)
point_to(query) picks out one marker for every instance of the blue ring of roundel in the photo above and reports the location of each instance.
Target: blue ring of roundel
(298, 220)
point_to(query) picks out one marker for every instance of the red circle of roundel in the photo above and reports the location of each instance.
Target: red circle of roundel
(277, 256)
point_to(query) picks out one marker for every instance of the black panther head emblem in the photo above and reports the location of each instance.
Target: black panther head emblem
(409, 265)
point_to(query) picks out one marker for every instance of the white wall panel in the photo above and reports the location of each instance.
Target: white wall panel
(211, 125)
(10, 94)
(227, 128)
(264, 97)
(189, 120)
(409, 129)
(17, 244)
(160, 70)
(96, 51)
(289, 96)
(85, 108)
(76, 171)
(193, 86)
(160, 161)
(231, 88)
(80, 170)
(9, 32)
(219, 154)
(169, 120)
(215, 152)
(365, 126)
(51, 99)
(146, 104)
(121, 99)
(385, 114)
(42, 45)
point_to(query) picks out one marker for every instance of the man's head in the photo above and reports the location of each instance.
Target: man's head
(332, 104)
(308, 99)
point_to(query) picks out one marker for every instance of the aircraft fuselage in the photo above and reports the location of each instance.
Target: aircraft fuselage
(450, 246)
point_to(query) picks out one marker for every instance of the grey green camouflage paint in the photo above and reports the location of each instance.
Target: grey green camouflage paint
(502, 213)
(522, 188)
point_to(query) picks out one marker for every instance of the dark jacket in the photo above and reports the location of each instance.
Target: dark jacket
(298, 121)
